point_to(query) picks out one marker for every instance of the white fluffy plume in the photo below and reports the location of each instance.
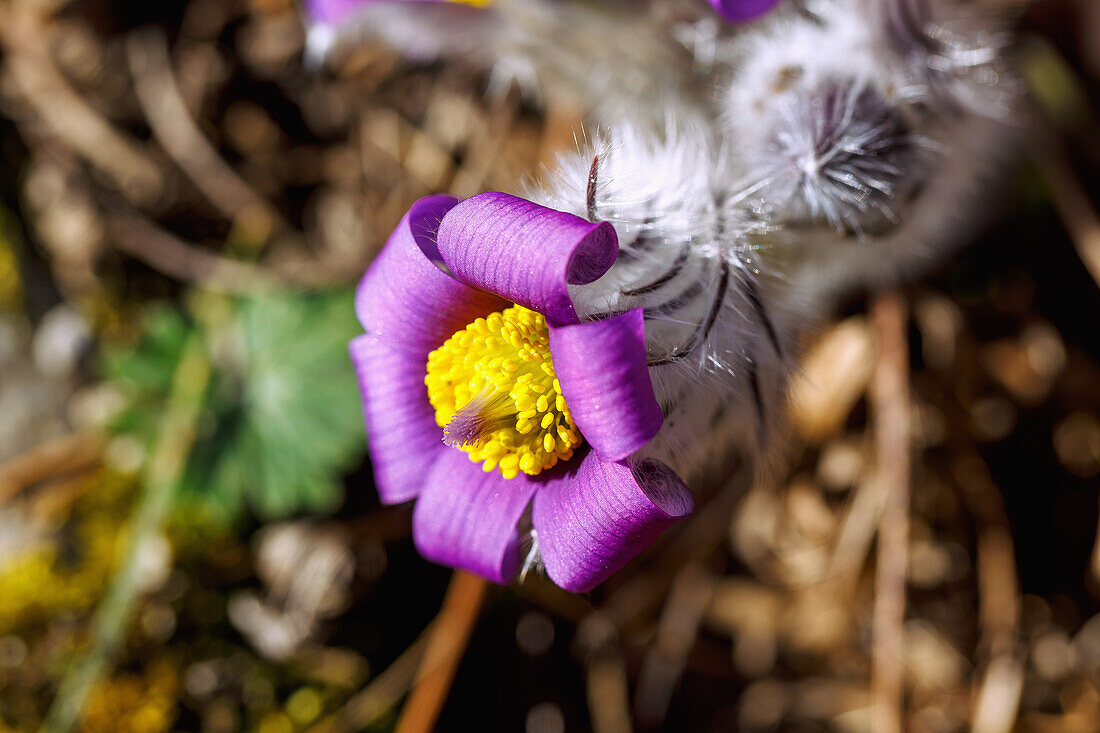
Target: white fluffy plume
(751, 173)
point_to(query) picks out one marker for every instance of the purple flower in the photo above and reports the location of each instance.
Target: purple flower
(742, 11)
(474, 354)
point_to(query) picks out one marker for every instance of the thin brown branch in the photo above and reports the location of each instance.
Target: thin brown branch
(431, 660)
(383, 692)
(857, 531)
(605, 677)
(608, 695)
(1073, 205)
(998, 692)
(54, 458)
(889, 400)
(144, 240)
(665, 660)
(998, 698)
(141, 238)
(447, 644)
(174, 128)
(598, 632)
(67, 115)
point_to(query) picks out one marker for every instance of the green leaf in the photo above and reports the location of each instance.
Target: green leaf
(282, 422)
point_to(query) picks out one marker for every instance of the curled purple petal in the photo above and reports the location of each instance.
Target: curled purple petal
(402, 434)
(405, 299)
(601, 366)
(742, 11)
(466, 518)
(593, 519)
(524, 252)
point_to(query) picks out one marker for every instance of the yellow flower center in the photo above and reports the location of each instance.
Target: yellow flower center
(496, 397)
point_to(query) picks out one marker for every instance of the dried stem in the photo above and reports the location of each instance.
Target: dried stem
(608, 694)
(67, 115)
(66, 454)
(664, 662)
(142, 239)
(171, 123)
(889, 398)
(598, 632)
(447, 644)
(1074, 207)
(997, 695)
(160, 477)
(384, 691)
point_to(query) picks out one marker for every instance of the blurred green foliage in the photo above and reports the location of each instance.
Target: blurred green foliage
(281, 421)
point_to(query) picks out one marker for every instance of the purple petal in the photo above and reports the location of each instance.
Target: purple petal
(402, 435)
(592, 520)
(405, 299)
(742, 11)
(602, 369)
(466, 518)
(524, 252)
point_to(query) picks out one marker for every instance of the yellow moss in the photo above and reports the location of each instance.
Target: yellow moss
(128, 703)
(11, 288)
(36, 585)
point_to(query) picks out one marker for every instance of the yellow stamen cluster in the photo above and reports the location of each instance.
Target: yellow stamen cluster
(495, 393)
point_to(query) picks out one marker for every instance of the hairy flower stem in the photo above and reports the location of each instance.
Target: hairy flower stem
(160, 477)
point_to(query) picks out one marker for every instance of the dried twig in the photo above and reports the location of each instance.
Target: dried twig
(998, 698)
(484, 150)
(997, 694)
(854, 538)
(447, 644)
(141, 238)
(1073, 205)
(889, 398)
(158, 248)
(598, 632)
(66, 454)
(605, 676)
(67, 114)
(383, 692)
(432, 659)
(688, 601)
(175, 129)
(608, 695)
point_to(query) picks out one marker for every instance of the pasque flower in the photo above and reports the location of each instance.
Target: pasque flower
(484, 393)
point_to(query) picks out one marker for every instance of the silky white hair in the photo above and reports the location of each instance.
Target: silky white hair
(752, 173)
